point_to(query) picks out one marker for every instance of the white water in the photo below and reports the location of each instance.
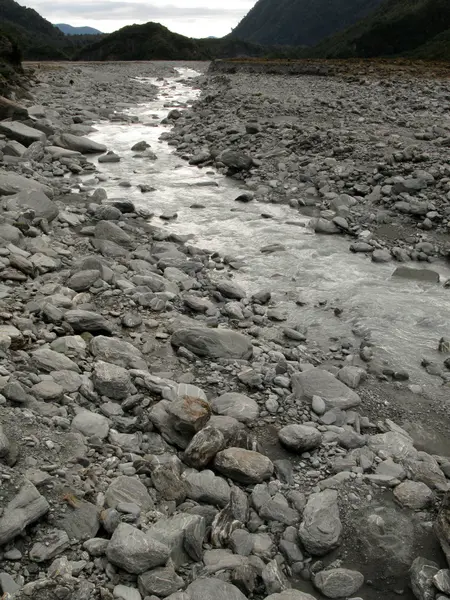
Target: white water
(405, 319)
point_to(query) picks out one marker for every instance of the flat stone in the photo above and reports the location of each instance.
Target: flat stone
(125, 489)
(25, 508)
(244, 466)
(238, 406)
(47, 360)
(117, 352)
(317, 382)
(15, 130)
(213, 343)
(413, 494)
(207, 487)
(338, 583)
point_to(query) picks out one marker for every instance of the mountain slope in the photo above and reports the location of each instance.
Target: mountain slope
(70, 30)
(300, 22)
(153, 41)
(396, 27)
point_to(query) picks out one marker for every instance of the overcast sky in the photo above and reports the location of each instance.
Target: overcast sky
(194, 18)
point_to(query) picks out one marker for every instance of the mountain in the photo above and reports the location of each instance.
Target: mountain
(10, 63)
(416, 28)
(300, 22)
(69, 30)
(153, 41)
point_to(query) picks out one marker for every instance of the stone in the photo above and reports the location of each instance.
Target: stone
(48, 390)
(381, 256)
(393, 444)
(413, 494)
(203, 447)
(106, 230)
(208, 588)
(173, 532)
(8, 587)
(442, 581)
(15, 130)
(351, 376)
(321, 528)
(318, 405)
(83, 280)
(91, 424)
(81, 521)
(37, 200)
(169, 484)
(111, 381)
(25, 508)
(134, 551)
(244, 466)
(123, 592)
(47, 360)
(54, 544)
(326, 227)
(228, 289)
(213, 343)
(161, 582)
(12, 110)
(278, 509)
(338, 583)
(238, 406)
(84, 320)
(78, 144)
(422, 572)
(126, 489)
(292, 595)
(117, 352)
(207, 487)
(12, 183)
(236, 161)
(425, 275)
(317, 382)
(189, 414)
(274, 579)
(300, 438)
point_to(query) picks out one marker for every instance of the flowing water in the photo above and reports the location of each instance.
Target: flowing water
(404, 319)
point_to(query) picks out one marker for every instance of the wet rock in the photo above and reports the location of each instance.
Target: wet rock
(109, 157)
(300, 438)
(131, 490)
(381, 256)
(244, 466)
(25, 508)
(78, 144)
(135, 552)
(162, 582)
(203, 447)
(213, 343)
(427, 275)
(228, 289)
(338, 583)
(238, 406)
(317, 382)
(422, 573)
(111, 381)
(236, 161)
(326, 227)
(413, 494)
(321, 528)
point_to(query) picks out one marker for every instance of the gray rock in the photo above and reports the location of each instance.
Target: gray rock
(203, 447)
(427, 275)
(83, 280)
(117, 352)
(393, 444)
(236, 161)
(172, 532)
(162, 582)
(274, 579)
(78, 144)
(47, 360)
(213, 343)
(54, 543)
(189, 414)
(326, 227)
(413, 494)
(84, 320)
(14, 391)
(291, 595)
(48, 390)
(125, 489)
(338, 583)
(134, 551)
(91, 424)
(81, 521)
(228, 289)
(36, 199)
(422, 573)
(207, 487)
(244, 466)
(106, 230)
(9, 451)
(111, 381)
(278, 509)
(381, 256)
(321, 528)
(8, 586)
(12, 183)
(208, 588)
(169, 484)
(238, 406)
(123, 592)
(442, 581)
(351, 376)
(317, 382)
(300, 438)
(25, 508)
(15, 130)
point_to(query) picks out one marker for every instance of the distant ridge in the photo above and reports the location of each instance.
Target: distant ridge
(70, 30)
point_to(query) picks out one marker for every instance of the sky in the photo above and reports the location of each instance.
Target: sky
(193, 18)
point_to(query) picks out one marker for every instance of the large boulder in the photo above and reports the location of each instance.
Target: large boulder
(43, 207)
(244, 466)
(338, 583)
(239, 406)
(111, 381)
(117, 352)
(321, 528)
(209, 588)
(15, 130)
(106, 230)
(300, 438)
(213, 343)
(78, 144)
(236, 161)
(11, 183)
(134, 551)
(317, 382)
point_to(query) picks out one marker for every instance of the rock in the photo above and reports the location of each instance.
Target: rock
(278, 509)
(15, 130)
(78, 144)
(109, 157)
(169, 484)
(238, 406)
(394, 444)
(48, 390)
(122, 592)
(37, 200)
(351, 376)
(442, 581)
(422, 573)
(9, 450)
(413, 494)
(25, 508)
(12, 110)
(317, 382)
(131, 490)
(381, 256)
(106, 230)
(300, 438)
(228, 289)
(111, 381)
(83, 280)
(338, 583)
(326, 227)
(135, 552)
(203, 447)
(207, 487)
(321, 528)
(174, 532)
(208, 588)
(244, 466)
(291, 595)
(213, 343)
(54, 543)
(81, 521)
(11, 183)
(274, 579)
(47, 360)
(236, 161)
(427, 275)
(84, 320)
(189, 415)
(91, 424)
(318, 405)
(162, 582)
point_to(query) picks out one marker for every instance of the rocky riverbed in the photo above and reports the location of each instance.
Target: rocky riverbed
(167, 431)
